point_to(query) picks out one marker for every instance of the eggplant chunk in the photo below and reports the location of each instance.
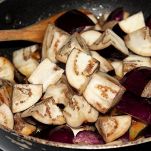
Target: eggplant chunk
(24, 96)
(22, 127)
(46, 73)
(90, 36)
(79, 111)
(132, 23)
(6, 69)
(54, 39)
(139, 42)
(46, 112)
(113, 127)
(118, 68)
(6, 116)
(75, 41)
(134, 61)
(59, 92)
(79, 67)
(24, 61)
(107, 39)
(105, 65)
(103, 91)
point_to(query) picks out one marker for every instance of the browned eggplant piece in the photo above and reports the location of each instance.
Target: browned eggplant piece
(73, 21)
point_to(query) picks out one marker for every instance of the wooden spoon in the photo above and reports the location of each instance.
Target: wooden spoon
(33, 32)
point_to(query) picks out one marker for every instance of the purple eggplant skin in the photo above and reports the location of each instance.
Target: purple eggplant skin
(119, 31)
(136, 80)
(73, 21)
(146, 132)
(148, 22)
(88, 137)
(116, 14)
(62, 134)
(137, 107)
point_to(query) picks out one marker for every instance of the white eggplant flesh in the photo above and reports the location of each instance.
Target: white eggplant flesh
(118, 68)
(134, 61)
(24, 96)
(79, 67)
(23, 60)
(54, 39)
(107, 39)
(105, 65)
(46, 112)
(6, 116)
(6, 69)
(113, 127)
(133, 23)
(103, 91)
(139, 42)
(46, 73)
(90, 36)
(79, 111)
(75, 41)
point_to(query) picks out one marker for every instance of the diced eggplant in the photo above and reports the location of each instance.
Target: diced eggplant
(79, 67)
(139, 42)
(109, 25)
(118, 67)
(135, 106)
(113, 127)
(46, 112)
(60, 92)
(104, 43)
(54, 39)
(134, 61)
(92, 17)
(75, 41)
(22, 127)
(6, 69)
(105, 65)
(118, 14)
(132, 23)
(24, 96)
(46, 73)
(24, 61)
(73, 21)
(88, 137)
(103, 92)
(138, 82)
(78, 111)
(90, 36)
(63, 134)
(148, 22)
(6, 116)
(135, 129)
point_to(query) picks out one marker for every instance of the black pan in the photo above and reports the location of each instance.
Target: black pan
(20, 13)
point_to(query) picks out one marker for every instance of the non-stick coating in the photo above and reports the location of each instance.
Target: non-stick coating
(25, 12)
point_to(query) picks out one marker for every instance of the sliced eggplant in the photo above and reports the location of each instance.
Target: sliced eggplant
(118, 67)
(107, 39)
(105, 65)
(60, 92)
(24, 96)
(92, 17)
(139, 42)
(90, 36)
(75, 41)
(103, 91)
(24, 60)
(6, 69)
(78, 111)
(6, 116)
(79, 67)
(46, 112)
(132, 23)
(73, 21)
(54, 39)
(22, 127)
(113, 127)
(134, 61)
(46, 73)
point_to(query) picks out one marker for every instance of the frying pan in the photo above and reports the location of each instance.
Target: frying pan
(25, 12)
